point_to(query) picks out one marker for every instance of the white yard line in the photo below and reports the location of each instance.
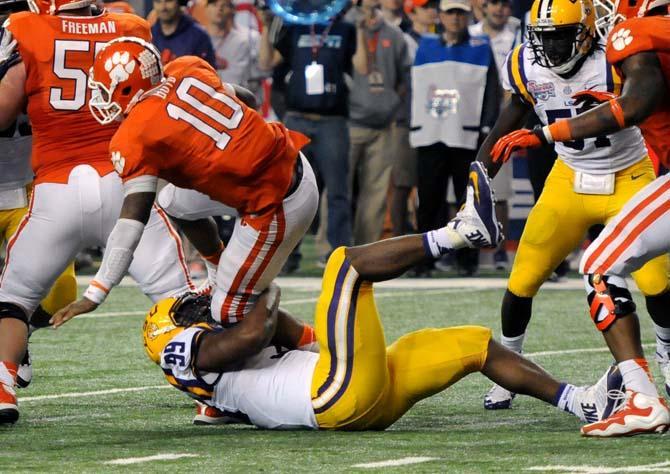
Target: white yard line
(658, 467)
(110, 391)
(155, 457)
(314, 283)
(575, 351)
(394, 462)
(296, 301)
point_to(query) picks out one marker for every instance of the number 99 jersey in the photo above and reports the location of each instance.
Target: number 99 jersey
(57, 52)
(551, 97)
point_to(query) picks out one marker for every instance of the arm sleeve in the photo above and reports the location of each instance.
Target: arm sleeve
(121, 245)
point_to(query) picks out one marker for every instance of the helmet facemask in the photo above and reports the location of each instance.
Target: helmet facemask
(104, 110)
(559, 48)
(606, 16)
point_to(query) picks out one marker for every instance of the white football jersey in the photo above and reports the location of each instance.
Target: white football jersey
(551, 97)
(272, 390)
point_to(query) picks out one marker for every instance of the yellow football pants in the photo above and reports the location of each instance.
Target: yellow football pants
(359, 383)
(64, 289)
(558, 223)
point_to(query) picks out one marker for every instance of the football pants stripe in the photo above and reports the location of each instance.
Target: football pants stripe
(621, 227)
(12, 239)
(177, 240)
(341, 325)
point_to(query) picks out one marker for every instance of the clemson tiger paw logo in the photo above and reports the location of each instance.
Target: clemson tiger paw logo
(621, 39)
(120, 66)
(118, 161)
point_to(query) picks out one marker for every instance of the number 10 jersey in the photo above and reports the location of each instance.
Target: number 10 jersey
(551, 97)
(57, 52)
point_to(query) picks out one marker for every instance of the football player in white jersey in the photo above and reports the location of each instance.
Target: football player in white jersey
(592, 178)
(355, 382)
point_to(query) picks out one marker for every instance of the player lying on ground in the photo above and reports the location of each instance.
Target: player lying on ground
(640, 48)
(355, 382)
(592, 179)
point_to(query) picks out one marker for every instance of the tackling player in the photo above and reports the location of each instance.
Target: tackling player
(185, 126)
(355, 382)
(76, 197)
(591, 180)
(640, 48)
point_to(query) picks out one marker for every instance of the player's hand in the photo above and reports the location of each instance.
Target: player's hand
(81, 306)
(592, 97)
(9, 53)
(517, 140)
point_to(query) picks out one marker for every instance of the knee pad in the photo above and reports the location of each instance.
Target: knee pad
(12, 311)
(608, 298)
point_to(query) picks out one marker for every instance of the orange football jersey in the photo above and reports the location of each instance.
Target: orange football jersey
(637, 35)
(57, 52)
(194, 134)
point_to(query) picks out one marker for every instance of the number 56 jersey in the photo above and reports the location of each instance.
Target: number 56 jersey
(551, 97)
(57, 52)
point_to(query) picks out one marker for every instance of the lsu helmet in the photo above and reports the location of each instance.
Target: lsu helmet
(122, 72)
(53, 7)
(561, 32)
(170, 316)
(611, 12)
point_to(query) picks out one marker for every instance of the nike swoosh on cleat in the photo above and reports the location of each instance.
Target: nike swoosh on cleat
(635, 176)
(475, 183)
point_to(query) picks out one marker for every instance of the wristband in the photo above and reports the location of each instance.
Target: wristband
(617, 111)
(96, 292)
(558, 131)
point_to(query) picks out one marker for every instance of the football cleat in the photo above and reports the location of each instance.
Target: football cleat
(664, 365)
(207, 415)
(639, 415)
(9, 410)
(498, 398)
(476, 222)
(601, 399)
(24, 374)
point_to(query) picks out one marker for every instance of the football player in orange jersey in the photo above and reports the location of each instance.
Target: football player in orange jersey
(185, 126)
(77, 196)
(639, 46)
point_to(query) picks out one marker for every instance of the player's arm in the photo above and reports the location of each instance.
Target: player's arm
(140, 194)
(227, 350)
(643, 90)
(12, 95)
(512, 116)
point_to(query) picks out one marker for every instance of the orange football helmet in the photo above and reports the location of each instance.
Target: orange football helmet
(53, 7)
(611, 12)
(123, 71)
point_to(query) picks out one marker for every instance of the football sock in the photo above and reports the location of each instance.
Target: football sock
(513, 343)
(636, 376)
(439, 242)
(662, 341)
(565, 397)
(8, 373)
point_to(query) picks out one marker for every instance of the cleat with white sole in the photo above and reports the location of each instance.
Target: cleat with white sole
(641, 414)
(602, 399)
(498, 398)
(476, 222)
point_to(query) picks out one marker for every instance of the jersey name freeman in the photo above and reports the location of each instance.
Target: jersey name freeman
(76, 28)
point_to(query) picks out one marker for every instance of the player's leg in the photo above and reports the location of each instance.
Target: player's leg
(192, 212)
(652, 277)
(637, 234)
(351, 375)
(555, 226)
(254, 257)
(159, 265)
(475, 226)
(48, 238)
